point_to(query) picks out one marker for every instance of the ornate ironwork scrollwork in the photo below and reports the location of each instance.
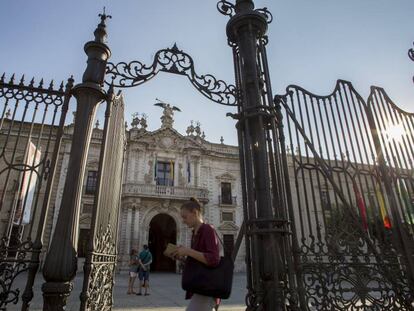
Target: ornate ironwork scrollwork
(175, 61)
(266, 13)
(226, 8)
(411, 55)
(14, 260)
(99, 292)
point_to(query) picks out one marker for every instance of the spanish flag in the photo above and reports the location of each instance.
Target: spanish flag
(172, 173)
(405, 197)
(384, 215)
(361, 205)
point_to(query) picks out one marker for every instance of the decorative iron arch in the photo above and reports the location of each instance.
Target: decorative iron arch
(171, 60)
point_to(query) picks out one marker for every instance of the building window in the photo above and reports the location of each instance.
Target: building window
(87, 208)
(228, 241)
(226, 193)
(165, 173)
(91, 182)
(83, 242)
(227, 216)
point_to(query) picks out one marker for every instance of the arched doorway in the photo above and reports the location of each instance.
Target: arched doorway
(162, 230)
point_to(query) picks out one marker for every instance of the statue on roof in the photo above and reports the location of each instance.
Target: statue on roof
(168, 113)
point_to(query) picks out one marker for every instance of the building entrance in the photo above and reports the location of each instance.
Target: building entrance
(162, 230)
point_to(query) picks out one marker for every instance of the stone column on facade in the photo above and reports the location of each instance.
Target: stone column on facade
(61, 261)
(136, 227)
(123, 251)
(196, 171)
(135, 158)
(133, 224)
(126, 166)
(128, 228)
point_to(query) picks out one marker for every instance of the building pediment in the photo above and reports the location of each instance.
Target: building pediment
(168, 139)
(228, 226)
(226, 176)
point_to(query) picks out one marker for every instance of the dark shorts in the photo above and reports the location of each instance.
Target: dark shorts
(143, 275)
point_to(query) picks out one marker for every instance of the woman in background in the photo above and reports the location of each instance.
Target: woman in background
(133, 270)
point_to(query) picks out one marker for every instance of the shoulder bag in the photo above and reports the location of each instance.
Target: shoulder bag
(214, 282)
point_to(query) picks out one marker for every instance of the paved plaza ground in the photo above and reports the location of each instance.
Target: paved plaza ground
(166, 294)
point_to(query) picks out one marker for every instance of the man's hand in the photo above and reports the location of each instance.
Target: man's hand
(142, 265)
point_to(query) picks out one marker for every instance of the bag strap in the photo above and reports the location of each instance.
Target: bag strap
(218, 237)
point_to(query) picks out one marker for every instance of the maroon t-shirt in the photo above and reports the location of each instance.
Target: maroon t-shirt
(205, 241)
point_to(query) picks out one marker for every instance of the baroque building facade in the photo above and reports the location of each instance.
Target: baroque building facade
(162, 169)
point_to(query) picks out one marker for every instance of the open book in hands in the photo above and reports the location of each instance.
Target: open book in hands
(169, 250)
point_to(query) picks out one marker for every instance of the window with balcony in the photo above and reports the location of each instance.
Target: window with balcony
(226, 197)
(165, 173)
(228, 241)
(91, 182)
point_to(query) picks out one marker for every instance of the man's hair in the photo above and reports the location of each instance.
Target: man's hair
(145, 246)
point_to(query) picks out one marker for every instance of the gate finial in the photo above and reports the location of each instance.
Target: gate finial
(100, 31)
(244, 5)
(104, 16)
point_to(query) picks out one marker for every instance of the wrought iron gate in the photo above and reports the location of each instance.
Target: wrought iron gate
(31, 128)
(101, 258)
(351, 198)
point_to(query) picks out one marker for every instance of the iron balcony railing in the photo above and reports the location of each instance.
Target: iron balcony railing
(183, 193)
(228, 201)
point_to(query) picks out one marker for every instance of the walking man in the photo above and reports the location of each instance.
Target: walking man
(145, 260)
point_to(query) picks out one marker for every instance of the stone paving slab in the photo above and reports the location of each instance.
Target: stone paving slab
(165, 294)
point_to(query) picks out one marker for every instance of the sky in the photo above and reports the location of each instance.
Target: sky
(312, 43)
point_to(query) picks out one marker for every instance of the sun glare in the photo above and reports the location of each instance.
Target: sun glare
(395, 132)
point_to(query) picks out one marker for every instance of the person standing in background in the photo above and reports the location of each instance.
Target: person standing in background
(133, 270)
(145, 260)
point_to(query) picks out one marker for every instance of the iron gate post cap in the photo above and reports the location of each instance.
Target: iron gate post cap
(89, 86)
(240, 20)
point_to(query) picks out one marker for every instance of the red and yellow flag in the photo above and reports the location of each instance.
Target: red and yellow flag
(384, 215)
(172, 173)
(361, 206)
